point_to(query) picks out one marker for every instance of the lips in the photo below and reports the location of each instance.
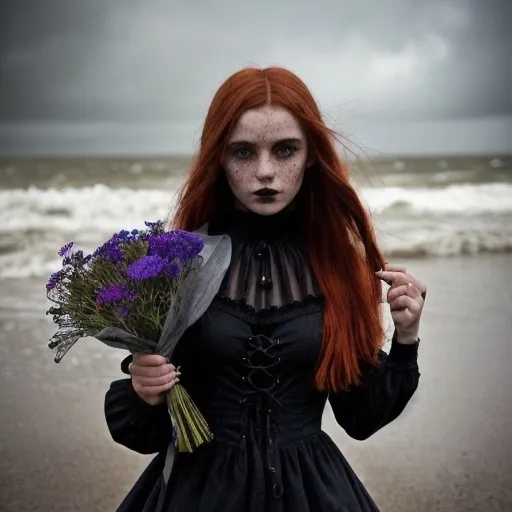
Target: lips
(266, 192)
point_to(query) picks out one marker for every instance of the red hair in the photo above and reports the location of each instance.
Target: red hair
(341, 243)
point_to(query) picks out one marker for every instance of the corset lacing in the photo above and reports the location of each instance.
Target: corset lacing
(260, 360)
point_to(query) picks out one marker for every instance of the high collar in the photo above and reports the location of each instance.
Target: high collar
(250, 225)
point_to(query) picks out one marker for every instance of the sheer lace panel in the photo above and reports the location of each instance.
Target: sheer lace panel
(268, 268)
(268, 274)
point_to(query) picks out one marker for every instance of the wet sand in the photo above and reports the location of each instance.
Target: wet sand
(451, 450)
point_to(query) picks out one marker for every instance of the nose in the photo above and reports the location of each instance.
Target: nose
(265, 171)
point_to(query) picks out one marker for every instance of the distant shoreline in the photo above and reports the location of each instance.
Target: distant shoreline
(378, 158)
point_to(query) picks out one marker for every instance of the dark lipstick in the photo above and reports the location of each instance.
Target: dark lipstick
(266, 192)
(266, 195)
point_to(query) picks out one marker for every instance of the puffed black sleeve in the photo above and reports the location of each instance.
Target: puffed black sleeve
(383, 394)
(134, 423)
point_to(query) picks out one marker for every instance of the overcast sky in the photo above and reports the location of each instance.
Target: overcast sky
(117, 76)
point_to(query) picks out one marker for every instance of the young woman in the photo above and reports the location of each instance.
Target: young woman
(296, 322)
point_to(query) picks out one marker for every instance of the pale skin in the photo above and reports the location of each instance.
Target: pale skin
(268, 150)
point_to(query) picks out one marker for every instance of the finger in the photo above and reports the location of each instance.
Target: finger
(393, 278)
(149, 359)
(405, 302)
(157, 381)
(153, 390)
(395, 268)
(416, 282)
(151, 371)
(400, 278)
(404, 289)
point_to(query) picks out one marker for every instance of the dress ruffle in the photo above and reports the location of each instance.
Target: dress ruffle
(315, 477)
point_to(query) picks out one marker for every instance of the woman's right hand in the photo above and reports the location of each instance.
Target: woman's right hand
(152, 376)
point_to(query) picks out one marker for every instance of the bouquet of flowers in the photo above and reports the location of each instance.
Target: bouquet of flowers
(127, 295)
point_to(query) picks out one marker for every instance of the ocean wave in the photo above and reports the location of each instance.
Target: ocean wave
(456, 220)
(462, 243)
(455, 199)
(95, 209)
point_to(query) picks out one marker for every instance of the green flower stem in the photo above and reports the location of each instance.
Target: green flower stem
(191, 427)
(185, 439)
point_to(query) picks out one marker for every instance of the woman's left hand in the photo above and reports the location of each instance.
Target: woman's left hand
(406, 298)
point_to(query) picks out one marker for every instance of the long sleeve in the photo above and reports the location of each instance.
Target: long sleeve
(380, 399)
(133, 423)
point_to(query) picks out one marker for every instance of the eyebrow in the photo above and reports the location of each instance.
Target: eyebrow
(288, 140)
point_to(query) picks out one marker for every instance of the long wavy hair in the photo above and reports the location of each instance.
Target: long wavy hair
(341, 243)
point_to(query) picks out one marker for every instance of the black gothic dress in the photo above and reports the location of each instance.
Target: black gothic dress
(248, 363)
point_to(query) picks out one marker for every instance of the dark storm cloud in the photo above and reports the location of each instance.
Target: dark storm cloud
(90, 63)
(131, 61)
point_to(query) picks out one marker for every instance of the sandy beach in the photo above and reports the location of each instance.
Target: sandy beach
(450, 451)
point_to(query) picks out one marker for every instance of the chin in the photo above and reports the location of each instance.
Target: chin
(267, 209)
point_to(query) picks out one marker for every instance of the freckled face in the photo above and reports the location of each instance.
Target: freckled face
(265, 160)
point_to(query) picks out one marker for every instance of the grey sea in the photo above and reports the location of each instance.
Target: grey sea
(449, 220)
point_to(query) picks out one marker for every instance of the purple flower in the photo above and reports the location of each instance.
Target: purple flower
(122, 235)
(65, 250)
(155, 226)
(172, 269)
(54, 280)
(188, 245)
(110, 251)
(146, 268)
(175, 245)
(113, 293)
(161, 245)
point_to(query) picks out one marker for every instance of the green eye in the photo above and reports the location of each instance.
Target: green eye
(286, 151)
(242, 153)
